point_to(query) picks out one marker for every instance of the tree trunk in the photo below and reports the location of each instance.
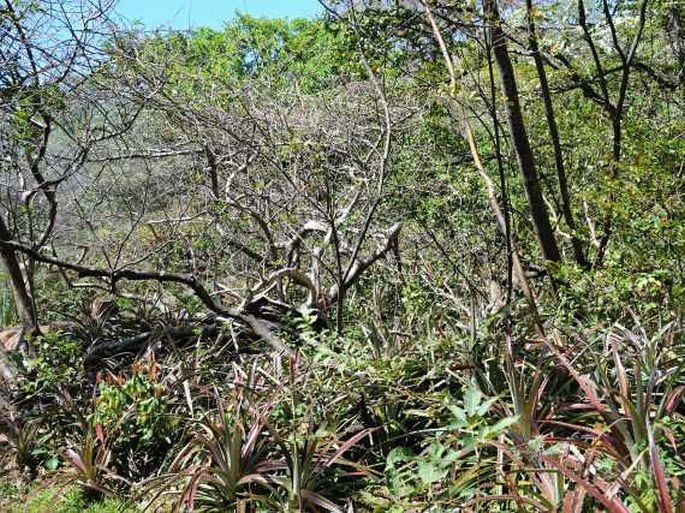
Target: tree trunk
(675, 27)
(22, 296)
(578, 251)
(517, 129)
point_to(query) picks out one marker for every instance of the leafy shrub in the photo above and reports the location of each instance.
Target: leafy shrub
(56, 365)
(134, 414)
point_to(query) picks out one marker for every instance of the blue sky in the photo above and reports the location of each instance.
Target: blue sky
(183, 14)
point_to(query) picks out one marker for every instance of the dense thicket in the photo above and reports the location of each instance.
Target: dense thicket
(409, 256)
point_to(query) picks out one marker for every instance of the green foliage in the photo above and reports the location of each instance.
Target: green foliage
(467, 433)
(133, 414)
(47, 498)
(55, 365)
(312, 53)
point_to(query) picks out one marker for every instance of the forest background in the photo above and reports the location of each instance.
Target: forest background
(408, 255)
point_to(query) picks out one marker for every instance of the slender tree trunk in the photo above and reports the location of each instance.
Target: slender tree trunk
(607, 227)
(564, 194)
(502, 175)
(616, 112)
(517, 129)
(675, 27)
(22, 296)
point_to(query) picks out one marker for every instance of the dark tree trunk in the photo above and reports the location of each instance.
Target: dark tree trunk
(22, 296)
(566, 211)
(517, 129)
(675, 27)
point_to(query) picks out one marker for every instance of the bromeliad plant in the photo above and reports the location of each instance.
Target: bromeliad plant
(611, 444)
(24, 445)
(89, 459)
(258, 448)
(633, 387)
(593, 424)
(316, 474)
(227, 463)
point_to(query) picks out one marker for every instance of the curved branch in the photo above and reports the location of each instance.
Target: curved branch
(258, 327)
(358, 266)
(295, 275)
